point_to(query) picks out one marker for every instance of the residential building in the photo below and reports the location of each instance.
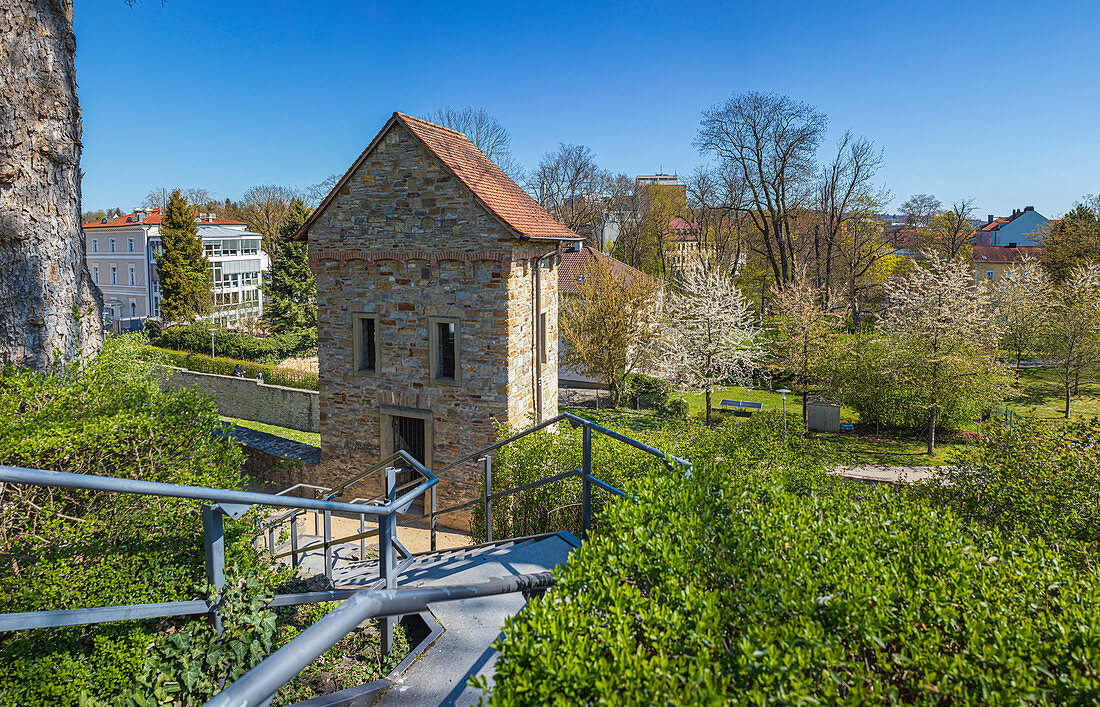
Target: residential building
(991, 261)
(122, 255)
(1022, 228)
(684, 251)
(436, 305)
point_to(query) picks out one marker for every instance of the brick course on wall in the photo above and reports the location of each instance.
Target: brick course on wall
(405, 241)
(248, 399)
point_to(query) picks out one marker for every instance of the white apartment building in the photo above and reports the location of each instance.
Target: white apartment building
(122, 256)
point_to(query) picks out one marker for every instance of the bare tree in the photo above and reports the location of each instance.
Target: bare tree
(710, 335)
(50, 310)
(485, 131)
(198, 198)
(316, 193)
(918, 210)
(845, 195)
(949, 231)
(572, 187)
(716, 198)
(772, 140)
(265, 207)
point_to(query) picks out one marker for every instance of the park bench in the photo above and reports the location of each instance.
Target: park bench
(742, 408)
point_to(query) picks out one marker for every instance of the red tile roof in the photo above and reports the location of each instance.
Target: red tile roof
(682, 230)
(154, 218)
(1003, 254)
(574, 262)
(496, 191)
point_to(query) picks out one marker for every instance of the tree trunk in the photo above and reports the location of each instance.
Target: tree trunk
(50, 310)
(708, 407)
(932, 415)
(1077, 382)
(1067, 397)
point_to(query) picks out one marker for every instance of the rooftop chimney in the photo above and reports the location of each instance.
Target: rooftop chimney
(1029, 208)
(990, 219)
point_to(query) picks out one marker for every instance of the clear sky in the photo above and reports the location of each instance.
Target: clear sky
(994, 100)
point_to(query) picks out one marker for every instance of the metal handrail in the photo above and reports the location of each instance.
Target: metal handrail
(264, 680)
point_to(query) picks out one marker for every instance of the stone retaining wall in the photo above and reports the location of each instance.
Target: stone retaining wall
(248, 399)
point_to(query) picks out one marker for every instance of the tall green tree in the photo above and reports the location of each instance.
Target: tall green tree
(1072, 240)
(291, 296)
(184, 280)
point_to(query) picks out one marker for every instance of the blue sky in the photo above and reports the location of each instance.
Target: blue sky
(998, 101)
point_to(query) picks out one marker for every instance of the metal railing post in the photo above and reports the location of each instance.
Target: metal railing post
(386, 556)
(487, 502)
(213, 543)
(431, 519)
(586, 482)
(328, 547)
(362, 541)
(294, 541)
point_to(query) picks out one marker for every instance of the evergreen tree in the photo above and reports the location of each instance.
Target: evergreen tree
(184, 279)
(291, 295)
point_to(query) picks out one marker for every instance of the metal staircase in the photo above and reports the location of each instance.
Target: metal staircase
(470, 590)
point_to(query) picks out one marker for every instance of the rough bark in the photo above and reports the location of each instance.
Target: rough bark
(50, 310)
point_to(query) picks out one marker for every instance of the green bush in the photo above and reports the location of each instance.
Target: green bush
(64, 549)
(733, 588)
(1040, 479)
(236, 345)
(273, 375)
(758, 444)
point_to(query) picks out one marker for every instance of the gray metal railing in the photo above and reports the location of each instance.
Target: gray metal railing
(219, 503)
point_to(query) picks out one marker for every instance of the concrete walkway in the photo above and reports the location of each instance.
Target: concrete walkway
(876, 474)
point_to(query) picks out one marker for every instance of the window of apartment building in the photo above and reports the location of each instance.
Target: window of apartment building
(114, 275)
(112, 245)
(156, 306)
(250, 246)
(95, 274)
(216, 274)
(230, 247)
(365, 343)
(445, 335)
(95, 245)
(129, 245)
(133, 308)
(133, 279)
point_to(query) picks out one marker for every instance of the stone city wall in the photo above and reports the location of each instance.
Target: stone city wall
(248, 399)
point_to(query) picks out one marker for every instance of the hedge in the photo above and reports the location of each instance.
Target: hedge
(273, 375)
(196, 339)
(107, 418)
(733, 588)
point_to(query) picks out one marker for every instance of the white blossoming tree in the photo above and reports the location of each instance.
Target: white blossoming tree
(710, 338)
(943, 337)
(1022, 295)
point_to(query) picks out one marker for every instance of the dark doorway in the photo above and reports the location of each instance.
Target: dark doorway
(408, 436)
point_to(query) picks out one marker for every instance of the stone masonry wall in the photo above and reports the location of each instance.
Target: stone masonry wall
(405, 241)
(248, 399)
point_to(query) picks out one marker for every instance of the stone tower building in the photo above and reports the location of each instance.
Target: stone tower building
(437, 305)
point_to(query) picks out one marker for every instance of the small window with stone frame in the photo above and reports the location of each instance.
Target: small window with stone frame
(366, 343)
(445, 334)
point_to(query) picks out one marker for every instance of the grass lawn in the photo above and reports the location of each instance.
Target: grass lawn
(697, 402)
(892, 449)
(296, 435)
(1041, 395)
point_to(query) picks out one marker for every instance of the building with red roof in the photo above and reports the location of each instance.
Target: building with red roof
(1022, 228)
(991, 261)
(437, 305)
(122, 256)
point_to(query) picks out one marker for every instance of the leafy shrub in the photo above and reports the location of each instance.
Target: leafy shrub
(273, 375)
(732, 588)
(758, 444)
(1037, 478)
(63, 549)
(196, 339)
